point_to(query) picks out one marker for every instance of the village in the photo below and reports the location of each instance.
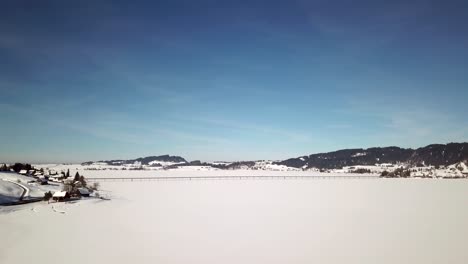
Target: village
(22, 183)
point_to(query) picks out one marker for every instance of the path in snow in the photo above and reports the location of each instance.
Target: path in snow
(25, 189)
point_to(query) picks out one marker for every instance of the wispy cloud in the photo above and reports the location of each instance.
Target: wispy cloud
(111, 125)
(405, 121)
(257, 129)
(164, 130)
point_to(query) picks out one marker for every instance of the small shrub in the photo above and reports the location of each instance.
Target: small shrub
(95, 186)
(361, 171)
(47, 196)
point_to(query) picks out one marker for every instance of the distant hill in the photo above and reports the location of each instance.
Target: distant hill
(151, 161)
(436, 155)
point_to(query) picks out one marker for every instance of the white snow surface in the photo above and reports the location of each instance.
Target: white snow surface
(261, 168)
(35, 190)
(9, 192)
(247, 221)
(163, 163)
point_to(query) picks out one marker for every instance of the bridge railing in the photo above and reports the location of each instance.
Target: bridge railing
(190, 178)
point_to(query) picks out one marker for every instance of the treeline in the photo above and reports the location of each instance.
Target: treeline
(79, 181)
(360, 171)
(231, 166)
(398, 173)
(17, 167)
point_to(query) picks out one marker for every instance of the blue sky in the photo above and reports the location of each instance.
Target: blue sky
(228, 80)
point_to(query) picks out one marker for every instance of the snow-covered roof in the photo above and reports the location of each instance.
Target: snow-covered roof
(60, 194)
(359, 154)
(83, 191)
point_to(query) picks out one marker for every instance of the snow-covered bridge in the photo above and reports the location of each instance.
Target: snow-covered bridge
(230, 177)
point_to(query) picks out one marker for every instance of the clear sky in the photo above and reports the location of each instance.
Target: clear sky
(228, 80)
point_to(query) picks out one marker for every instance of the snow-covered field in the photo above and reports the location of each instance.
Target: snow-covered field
(261, 168)
(246, 221)
(106, 171)
(10, 189)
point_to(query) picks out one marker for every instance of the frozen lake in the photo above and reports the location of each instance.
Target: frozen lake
(247, 221)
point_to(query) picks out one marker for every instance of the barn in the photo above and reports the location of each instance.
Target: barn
(60, 196)
(83, 192)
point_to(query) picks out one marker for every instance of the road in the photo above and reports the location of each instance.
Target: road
(25, 189)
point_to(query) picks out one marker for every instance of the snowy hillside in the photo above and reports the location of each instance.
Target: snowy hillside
(164, 160)
(13, 185)
(431, 155)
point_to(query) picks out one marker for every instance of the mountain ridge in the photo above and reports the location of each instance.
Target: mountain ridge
(433, 154)
(142, 160)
